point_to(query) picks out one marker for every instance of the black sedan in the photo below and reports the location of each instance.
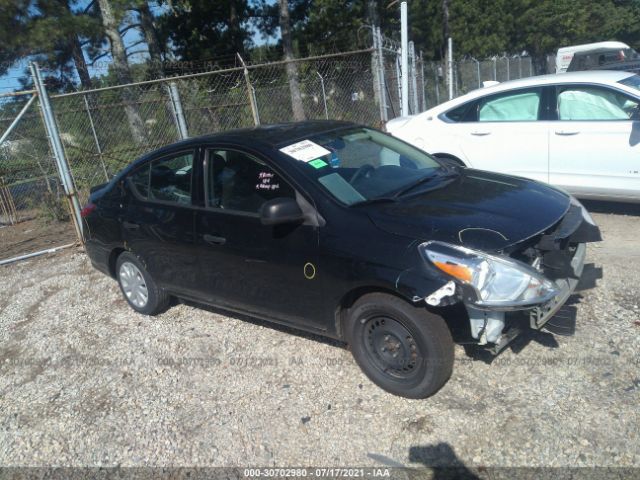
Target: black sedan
(344, 231)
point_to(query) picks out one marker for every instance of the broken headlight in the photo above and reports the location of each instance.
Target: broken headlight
(496, 281)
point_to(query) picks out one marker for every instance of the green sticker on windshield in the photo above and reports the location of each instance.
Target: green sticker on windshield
(318, 163)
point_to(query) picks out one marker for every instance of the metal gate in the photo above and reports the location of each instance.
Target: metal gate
(34, 202)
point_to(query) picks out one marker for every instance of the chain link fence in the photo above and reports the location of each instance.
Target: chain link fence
(104, 129)
(34, 212)
(469, 74)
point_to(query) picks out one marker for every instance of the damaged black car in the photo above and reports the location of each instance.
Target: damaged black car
(343, 231)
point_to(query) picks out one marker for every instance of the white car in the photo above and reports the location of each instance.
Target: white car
(578, 130)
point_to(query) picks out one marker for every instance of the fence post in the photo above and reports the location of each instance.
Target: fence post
(58, 150)
(437, 83)
(324, 96)
(404, 52)
(477, 71)
(176, 103)
(423, 82)
(495, 69)
(519, 66)
(414, 75)
(384, 114)
(399, 81)
(95, 137)
(450, 66)
(251, 92)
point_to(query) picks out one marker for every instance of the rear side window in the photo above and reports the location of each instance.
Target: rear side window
(463, 113)
(520, 106)
(140, 181)
(167, 179)
(593, 103)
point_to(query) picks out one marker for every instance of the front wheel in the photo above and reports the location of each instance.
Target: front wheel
(404, 349)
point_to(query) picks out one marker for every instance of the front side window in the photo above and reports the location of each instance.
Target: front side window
(239, 181)
(521, 106)
(593, 103)
(355, 165)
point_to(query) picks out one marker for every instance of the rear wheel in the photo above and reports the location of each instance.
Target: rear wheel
(137, 286)
(405, 350)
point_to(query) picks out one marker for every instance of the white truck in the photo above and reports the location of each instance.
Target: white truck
(592, 55)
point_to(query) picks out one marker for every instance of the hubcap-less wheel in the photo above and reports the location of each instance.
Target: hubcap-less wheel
(133, 284)
(391, 347)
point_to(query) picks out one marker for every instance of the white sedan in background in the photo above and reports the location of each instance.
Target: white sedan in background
(579, 131)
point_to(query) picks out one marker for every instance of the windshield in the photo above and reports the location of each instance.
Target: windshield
(633, 81)
(360, 164)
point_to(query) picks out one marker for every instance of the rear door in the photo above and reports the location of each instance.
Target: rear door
(158, 220)
(595, 145)
(247, 266)
(507, 132)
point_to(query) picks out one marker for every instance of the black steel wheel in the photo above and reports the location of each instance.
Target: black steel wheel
(391, 347)
(402, 348)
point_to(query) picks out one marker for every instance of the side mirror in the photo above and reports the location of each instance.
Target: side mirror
(281, 210)
(635, 113)
(448, 162)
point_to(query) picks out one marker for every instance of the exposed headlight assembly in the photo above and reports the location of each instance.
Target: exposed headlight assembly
(498, 282)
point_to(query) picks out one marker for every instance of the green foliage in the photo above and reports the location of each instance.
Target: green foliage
(53, 208)
(203, 30)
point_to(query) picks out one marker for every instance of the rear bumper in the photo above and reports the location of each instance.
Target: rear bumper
(98, 255)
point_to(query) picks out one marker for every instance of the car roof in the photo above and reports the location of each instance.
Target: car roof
(270, 136)
(267, 135)
(585, 47)
(588, 76)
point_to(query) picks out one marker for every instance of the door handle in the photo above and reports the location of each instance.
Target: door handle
(566, 133)
(213, 240)
(480, 134)
(130, 226)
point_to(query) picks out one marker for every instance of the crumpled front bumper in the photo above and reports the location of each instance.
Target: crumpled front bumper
(540, 315)
(499, 328)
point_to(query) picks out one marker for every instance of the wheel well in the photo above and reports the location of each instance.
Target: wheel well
(351, 297)
(113, 258)
(453, 158)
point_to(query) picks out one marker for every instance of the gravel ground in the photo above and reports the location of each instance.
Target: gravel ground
(84, 381)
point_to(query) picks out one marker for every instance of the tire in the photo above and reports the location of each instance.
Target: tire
(404, 349)
(132, 275)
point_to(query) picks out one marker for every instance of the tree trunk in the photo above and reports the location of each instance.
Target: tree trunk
(81, 64)
(539, 63)
(151, 38)
(121, 68)
(234, 28)
(292, 67)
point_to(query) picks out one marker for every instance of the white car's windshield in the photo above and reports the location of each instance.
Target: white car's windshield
(360, 164)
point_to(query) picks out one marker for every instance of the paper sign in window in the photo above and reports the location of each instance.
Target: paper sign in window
(305, 150)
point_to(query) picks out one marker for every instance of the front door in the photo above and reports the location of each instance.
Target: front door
(267, 270)
(506, 134)
(595, 145)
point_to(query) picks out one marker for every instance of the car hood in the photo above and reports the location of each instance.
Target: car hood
(477, 209)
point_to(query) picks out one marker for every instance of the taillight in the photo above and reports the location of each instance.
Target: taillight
(88, 208)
